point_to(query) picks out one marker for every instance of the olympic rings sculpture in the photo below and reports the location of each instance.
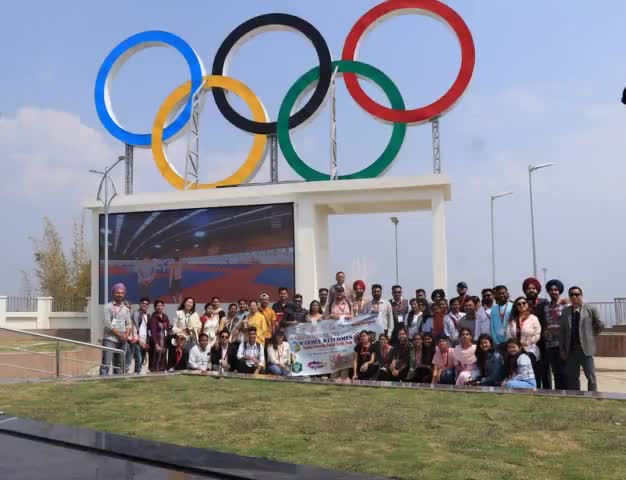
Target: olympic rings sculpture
(181, 99)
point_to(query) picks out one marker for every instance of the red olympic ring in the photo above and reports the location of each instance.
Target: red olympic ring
(428, 7)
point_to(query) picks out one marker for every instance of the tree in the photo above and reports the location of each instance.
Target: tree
(58, 276)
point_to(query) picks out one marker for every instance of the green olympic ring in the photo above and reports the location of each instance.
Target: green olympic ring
(363, 69)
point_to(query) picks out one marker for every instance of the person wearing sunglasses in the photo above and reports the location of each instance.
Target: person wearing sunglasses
(580, 324)
(532, 288)
(525, 327)
(223, 353)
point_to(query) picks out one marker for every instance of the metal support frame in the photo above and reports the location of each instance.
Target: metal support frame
(192, 165)
(129, 154)
(273, 140)
(105, 184)
(436, 146)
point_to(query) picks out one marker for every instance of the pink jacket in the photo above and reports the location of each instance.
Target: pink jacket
(530, 335)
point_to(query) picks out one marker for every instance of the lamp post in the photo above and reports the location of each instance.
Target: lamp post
(106, 202)
(531, 169)
(395, 221)
(545, 275)
(493, 241)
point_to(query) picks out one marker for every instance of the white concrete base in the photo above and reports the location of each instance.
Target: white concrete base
(313, 203)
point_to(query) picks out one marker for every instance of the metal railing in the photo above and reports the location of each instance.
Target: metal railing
(21, 304)
(76, 304)
(47, 355)
(607, 312)
(620, 311)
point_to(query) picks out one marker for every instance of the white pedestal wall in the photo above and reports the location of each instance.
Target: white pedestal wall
(313, 203)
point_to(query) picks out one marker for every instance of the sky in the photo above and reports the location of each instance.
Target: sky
(546, 88)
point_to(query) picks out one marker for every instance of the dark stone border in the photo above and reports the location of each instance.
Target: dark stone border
(156, 454)
(327, 382)
(422, 386)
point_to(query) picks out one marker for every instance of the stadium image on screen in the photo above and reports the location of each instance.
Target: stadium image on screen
(229, 252)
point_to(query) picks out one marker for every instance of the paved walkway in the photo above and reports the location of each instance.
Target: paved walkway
(611, 373)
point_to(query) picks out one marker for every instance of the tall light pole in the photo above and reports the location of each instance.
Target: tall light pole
(395, 221)
(531, 169)
(545, 275)
(106, 202)
(493, 241)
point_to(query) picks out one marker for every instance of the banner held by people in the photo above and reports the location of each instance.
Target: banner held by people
(328, 346)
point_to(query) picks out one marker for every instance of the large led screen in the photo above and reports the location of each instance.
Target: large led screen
(229, 252)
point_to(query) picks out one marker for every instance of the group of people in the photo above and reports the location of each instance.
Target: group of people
(530, 342)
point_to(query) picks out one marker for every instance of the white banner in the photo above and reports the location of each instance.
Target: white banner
(328, 346)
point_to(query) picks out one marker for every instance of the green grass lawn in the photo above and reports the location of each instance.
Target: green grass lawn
(389, 432)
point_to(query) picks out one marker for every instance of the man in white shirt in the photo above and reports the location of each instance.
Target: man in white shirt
(138, 340)
(199, 355)
(483, 314)
(382, 307)
(251, 354)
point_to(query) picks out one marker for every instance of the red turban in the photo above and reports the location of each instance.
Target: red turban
(531, 281)
(358, 283)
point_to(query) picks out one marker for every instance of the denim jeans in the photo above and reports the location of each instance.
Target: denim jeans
(447, 376)
(521, 384)
(117, 358)
(133, 350)
(274, 369)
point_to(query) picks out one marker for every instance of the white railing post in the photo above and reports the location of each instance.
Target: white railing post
(44, 307)
(3, 311)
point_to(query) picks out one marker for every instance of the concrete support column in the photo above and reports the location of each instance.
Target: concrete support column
(440, 262)
(3, 311)
(309, 227)
(44, 307)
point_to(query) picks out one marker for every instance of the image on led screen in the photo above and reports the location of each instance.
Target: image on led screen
(229, 252)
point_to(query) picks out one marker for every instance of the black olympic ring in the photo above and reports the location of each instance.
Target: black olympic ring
(243, 30)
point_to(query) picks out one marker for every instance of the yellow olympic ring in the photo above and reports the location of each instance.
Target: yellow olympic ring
(169, 108)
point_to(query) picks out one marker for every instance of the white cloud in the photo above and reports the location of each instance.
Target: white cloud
(48, 154)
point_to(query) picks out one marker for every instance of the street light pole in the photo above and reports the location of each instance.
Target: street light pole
(531, 169)
(493, 241)
(106, 202)
(395, 221)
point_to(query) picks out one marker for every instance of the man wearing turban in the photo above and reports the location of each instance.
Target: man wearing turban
(532, 288)
(117, 326)
(359, 299)
(554, 364)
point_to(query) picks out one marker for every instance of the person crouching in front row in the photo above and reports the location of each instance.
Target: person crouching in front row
(224, 353)
(250, 355)
(199, 355)
(518, 366)
(279, 355)
(179, 360)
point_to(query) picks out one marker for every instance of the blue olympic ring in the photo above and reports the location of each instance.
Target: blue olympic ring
(118, 57)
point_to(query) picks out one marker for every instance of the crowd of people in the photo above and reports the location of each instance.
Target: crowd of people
(491, 340)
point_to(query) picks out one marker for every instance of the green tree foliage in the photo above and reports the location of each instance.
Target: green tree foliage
(58, 275)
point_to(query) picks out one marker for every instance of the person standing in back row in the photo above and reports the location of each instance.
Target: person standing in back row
(553, 310)
(117, 326)
(341, 282)
(580, 324)
(500, 313)
(400, 311)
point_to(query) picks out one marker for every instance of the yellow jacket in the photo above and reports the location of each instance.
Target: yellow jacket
(263, 329)
(270, 316)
